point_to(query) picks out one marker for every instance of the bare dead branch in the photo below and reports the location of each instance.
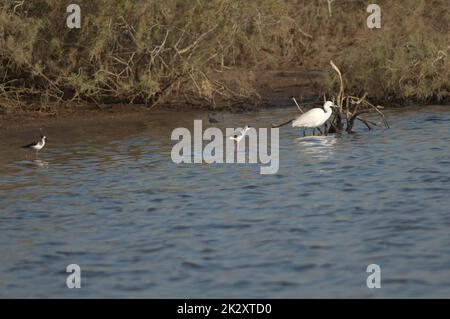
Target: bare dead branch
(298, 106)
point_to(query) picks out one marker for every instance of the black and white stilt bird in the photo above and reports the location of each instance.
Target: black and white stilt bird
(239, 135)
(37, 146)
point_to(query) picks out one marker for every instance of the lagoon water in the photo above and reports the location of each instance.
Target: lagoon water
(108, 198)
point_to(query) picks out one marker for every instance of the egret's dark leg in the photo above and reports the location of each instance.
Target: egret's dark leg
(318, 128)
(326, 129)
(304, 132)
(314, 131)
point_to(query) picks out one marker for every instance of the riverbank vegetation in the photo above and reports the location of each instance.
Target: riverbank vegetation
(211, 52)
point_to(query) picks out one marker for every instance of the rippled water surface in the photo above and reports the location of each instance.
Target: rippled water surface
(109, 198)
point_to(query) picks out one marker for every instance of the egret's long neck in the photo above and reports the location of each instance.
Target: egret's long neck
(328, 111)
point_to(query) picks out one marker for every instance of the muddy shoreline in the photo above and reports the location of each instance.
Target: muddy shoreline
(89, 114)
(275, 88)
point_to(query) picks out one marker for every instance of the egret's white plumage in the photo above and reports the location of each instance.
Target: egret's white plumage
(314, 117)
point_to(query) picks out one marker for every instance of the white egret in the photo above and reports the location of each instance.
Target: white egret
(314, 117)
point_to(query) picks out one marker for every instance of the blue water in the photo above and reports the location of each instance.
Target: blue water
(109, 199)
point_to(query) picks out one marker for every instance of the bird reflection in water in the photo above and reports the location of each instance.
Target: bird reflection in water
(319, 147)
(40, 163)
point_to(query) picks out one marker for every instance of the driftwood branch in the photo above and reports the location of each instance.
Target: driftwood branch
(340, 96)
(351, 107)
(298, 106)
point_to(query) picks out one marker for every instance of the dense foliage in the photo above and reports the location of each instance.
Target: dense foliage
(207, 51)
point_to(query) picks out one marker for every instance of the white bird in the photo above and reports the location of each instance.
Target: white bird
(238, 137)
(37, 146)
(314, 117)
